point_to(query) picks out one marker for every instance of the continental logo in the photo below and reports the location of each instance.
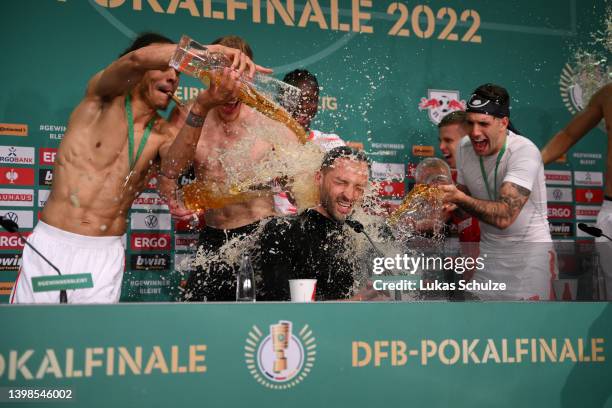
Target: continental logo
(280, 359)
(13, 129)
(423, 151)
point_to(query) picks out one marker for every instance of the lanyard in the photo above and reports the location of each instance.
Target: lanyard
(484, 174)
(133, 160)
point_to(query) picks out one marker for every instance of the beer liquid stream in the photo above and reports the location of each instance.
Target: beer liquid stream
(200, 195)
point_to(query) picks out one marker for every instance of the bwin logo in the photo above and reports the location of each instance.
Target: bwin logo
(151, 221)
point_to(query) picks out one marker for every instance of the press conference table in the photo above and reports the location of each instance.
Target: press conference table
(433, 354)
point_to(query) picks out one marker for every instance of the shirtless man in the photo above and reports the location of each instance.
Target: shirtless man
(229, 144)
(599, 107)
(83, 223)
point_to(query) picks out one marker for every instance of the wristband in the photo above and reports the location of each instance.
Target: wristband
(194, 120)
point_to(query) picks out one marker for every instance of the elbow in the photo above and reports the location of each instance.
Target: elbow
(504, 223)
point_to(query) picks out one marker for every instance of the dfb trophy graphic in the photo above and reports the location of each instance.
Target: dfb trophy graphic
(281, 333)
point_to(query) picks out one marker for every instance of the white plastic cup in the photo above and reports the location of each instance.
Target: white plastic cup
(302, 290)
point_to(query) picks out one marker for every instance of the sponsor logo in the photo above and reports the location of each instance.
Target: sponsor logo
(56, 132)
(25, 219)
(397, 146)
(13, 129)
(10, 262)
(392, 189)
(423, 151)
(147, 221)
(149, 201)
(144, 241)
(558, 177)
(46, 156)
(585, 212)
(387, 171)
(559, 194)
(355, 145)
(152, 183)
(411, 170)
(572, 92)
(440, 103)
(279, 358)
(560, 211)
(590, 196)
(184, 242)
(561, 229)
(45, 177)
(10, 240)
(43, 196)
(20, 176)
(6, 288)
(15, 197)
(145, 262)
(16, 155)
(588, 178)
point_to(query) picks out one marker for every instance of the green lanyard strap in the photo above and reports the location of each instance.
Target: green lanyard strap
(484, 173)
(133, 160)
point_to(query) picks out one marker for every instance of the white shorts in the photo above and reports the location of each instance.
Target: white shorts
(604, 246)
(527, 270)
(103, 257)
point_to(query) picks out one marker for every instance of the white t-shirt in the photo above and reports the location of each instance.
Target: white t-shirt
(521, 164)
(326, 141)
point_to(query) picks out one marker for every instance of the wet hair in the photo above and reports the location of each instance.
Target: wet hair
(298, 76)
(343, 152)
(457, 116)
(146, 39)
(233, 41)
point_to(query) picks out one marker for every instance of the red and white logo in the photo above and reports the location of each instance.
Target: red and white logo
(589, 196)
(559, 194)
(149, 201)
(392, 189)
(411, 170)
(149, 242)
(588, 178)
(17, 198)
(387, 171)
(16, 155)
(152, 182)
(20, 176)
(25, 219)
(185, 242)
(440, 103)
(558, 177)
(10, 240)
(587, 212)
(46, 155)
(560, 211)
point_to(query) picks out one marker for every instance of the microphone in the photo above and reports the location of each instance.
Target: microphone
(593, 231)
(359, 228)
(11, 226)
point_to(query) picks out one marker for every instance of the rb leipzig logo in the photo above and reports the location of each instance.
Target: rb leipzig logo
(440, 103)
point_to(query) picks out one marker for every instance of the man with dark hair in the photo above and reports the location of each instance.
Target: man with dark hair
(236, 138)
(304, 113)
(114, 136)
(500, 180)
(316, 244)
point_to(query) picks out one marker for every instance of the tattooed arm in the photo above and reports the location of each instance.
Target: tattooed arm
(501, 213)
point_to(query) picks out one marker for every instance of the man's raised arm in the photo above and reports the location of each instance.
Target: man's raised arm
(584, 121)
